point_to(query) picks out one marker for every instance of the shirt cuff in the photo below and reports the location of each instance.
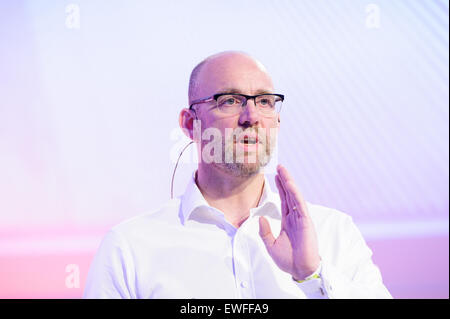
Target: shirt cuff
(315, 274)
(312, 285)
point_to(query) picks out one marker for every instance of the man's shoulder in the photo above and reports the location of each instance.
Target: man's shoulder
(328, 217)
(166, 215)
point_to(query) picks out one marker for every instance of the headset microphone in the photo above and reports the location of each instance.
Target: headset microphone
(175, 169)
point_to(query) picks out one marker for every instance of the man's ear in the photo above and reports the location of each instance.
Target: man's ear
(186, 121)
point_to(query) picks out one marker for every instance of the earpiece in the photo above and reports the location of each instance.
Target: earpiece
(175, 169)
(195, 114)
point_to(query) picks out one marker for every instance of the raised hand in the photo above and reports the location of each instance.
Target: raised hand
(295, 250)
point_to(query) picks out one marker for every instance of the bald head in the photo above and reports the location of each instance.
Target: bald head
(222, 71)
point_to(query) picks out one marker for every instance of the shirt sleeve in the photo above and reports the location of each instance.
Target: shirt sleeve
(111, 271)
(353, 276)
(313, 286)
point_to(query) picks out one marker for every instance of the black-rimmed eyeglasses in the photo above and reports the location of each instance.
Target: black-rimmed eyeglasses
(233, 103)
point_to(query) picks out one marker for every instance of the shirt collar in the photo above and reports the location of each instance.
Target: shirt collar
(193, 200)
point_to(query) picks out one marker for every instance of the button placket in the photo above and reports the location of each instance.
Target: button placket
(242, 266)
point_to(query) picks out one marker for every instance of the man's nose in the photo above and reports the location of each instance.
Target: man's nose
(250, 114)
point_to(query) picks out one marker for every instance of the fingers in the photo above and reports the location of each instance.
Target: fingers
(286, 201)
(266, 233)
(287, 188)
(284, 204)
(293, 195)
(282, 192)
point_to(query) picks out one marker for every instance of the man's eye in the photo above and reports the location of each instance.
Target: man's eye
(230, 101)
(266, 102)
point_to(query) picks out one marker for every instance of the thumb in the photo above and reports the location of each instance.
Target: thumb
(265, 232)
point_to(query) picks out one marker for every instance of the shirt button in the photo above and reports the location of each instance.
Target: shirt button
(244, 284)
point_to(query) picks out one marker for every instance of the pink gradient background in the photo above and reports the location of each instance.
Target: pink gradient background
(89, 133)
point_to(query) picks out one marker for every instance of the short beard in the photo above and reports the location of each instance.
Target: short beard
(240, 169)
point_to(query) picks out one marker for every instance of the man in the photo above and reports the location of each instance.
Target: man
(229, 235)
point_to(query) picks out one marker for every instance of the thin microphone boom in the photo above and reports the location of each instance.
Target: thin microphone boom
(175, 169)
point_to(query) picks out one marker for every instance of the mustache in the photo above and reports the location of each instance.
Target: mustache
(259, 132)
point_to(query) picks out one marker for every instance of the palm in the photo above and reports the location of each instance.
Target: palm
(281, 252)
(295, 250)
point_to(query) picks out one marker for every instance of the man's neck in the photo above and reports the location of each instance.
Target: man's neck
(234, 196)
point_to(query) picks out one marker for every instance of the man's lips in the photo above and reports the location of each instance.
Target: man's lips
(248, 138)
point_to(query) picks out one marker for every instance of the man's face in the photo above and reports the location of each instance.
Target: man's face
(238, 74)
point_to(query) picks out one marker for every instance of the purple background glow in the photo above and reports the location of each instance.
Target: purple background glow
(89, 123)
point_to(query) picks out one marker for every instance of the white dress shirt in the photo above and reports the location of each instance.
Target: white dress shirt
(187, 249)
